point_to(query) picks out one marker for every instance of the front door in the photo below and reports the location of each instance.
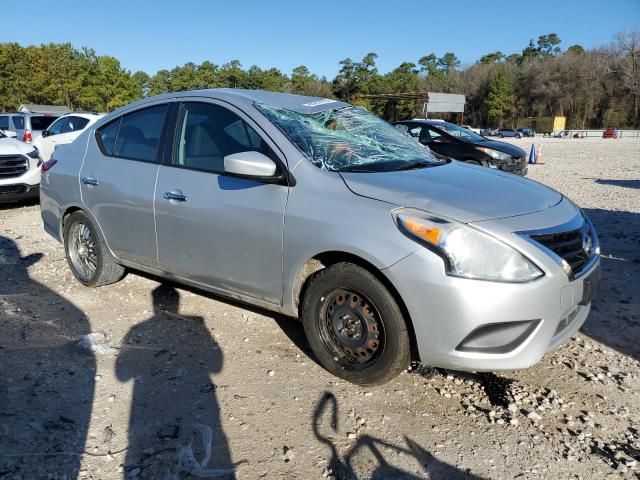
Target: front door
(117, 182)
(214, 229)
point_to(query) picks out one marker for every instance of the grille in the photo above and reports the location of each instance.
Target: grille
(12, 166)
(568, 246)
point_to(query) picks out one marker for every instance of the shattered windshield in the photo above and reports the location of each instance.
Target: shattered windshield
(350, 139)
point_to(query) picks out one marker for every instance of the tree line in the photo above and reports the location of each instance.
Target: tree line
(592, 88)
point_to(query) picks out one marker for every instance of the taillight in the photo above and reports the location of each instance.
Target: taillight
(48, 164)
(26, 136)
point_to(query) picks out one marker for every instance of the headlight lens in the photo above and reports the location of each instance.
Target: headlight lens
(495, 154)
(34, 153)
(467, 252)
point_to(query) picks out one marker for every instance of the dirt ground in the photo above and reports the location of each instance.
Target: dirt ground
(177, 362)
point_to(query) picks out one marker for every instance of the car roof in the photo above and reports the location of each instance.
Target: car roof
(425, 121)
(297, 103)
(87, 115)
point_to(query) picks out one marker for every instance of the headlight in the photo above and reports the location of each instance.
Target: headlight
(34, 153)
(467, 252)
(505, 157)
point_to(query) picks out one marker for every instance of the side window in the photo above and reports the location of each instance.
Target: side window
(139, 134)
(414, 131)
(4, 123)
(18, 121)
(106, 136)
(74, 124)
(57, 127)
(41, 122)
(436, 136)
(207, 133)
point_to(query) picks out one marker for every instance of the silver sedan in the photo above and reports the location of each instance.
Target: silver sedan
(322, 211)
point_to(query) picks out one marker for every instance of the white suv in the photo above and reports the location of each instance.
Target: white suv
(19, 169)
(63, 131)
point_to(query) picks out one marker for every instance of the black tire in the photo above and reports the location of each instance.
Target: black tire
(500, 135)
(518, 136)
(354, 325)
(91, 262)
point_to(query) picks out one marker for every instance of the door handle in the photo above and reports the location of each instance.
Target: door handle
(89, 181)
(178, 197)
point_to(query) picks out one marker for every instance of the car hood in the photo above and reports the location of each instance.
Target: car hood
(11, 146)
(504, 147)
(459, 191)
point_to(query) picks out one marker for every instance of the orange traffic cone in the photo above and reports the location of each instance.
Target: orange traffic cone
(539, 156)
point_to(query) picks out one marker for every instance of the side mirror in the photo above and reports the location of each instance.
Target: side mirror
(249, 165)
(46, 133)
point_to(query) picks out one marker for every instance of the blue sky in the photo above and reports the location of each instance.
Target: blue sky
(150, 36)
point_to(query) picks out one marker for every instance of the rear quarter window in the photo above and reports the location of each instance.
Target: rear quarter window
(41, 122)
(106, 136)
(18, 122)
(4, 123)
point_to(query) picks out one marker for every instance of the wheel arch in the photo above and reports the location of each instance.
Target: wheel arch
(70, 209)
(328, 258)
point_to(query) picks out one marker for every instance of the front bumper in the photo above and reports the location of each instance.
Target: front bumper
(517, 166)
(446, 311)
(23, 186)
(13, 193)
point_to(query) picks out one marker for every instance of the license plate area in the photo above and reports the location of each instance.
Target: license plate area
(590, 286)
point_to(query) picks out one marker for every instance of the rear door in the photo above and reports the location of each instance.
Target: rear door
(118, 178)
(214, 229)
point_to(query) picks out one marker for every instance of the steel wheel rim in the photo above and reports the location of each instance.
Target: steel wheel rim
(351, 329)
(82, 251)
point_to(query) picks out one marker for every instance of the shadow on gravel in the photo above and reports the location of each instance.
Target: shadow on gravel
(615, 315)
(46, 382)
(619, 183)
(342, 468)
(170, 358)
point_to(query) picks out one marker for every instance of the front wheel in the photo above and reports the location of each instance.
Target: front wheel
(500, 135)
(354, 325)
(87, 253)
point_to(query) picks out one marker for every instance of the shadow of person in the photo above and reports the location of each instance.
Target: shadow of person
(170, 358)
(615, 316)
(343, 469)
(46, 382)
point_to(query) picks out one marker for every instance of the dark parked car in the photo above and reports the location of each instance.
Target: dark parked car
(610, 133)
(450, 140)
(527, 132)
(508, 132)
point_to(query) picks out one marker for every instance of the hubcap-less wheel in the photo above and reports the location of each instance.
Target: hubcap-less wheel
(82, 251)
(351, 329)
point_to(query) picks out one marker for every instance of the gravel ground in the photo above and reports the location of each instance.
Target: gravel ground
(165, 365)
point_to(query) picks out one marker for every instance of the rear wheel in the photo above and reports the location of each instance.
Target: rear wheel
(87, 253)
(354, 325)
(500, 135)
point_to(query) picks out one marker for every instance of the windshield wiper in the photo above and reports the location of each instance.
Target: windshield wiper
(357, 169)
(415, 165)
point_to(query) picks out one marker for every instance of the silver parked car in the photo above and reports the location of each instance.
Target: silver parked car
(320, 210)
